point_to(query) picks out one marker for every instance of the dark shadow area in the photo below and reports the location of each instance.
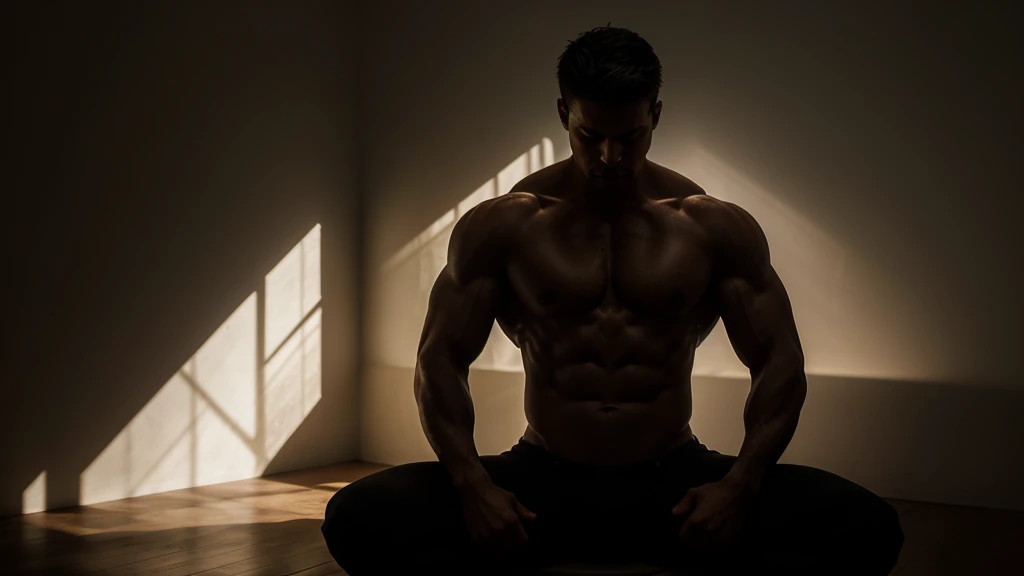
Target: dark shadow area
(166, 158)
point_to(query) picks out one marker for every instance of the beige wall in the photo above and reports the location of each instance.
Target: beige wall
(185, 248)
(875, 147)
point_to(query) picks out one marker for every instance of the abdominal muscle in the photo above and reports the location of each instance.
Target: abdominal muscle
(608, 433)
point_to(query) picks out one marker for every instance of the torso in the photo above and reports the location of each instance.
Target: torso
(608, 307)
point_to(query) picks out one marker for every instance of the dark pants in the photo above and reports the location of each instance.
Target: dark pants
(803, 520)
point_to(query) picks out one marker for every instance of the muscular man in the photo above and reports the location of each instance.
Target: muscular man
(607, 271)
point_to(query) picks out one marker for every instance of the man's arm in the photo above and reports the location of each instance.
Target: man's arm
(461, 311)
(758, 318)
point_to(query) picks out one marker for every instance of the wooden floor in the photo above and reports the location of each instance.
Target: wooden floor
(271, 527)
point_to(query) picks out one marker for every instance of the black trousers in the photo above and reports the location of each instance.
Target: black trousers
(802, 521)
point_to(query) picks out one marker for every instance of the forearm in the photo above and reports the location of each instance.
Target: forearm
(770, 417)
(447, 418)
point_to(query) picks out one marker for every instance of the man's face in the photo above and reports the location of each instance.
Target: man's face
(609, 144)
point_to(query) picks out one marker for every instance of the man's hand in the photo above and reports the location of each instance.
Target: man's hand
(494, 518)
(714, 514)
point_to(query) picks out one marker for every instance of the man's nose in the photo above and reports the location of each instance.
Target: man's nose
(610, 152)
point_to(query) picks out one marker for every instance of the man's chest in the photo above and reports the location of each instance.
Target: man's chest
(650, 258)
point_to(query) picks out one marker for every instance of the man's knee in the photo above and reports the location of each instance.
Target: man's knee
(391, 520)
(336, 513)
(870, 526)
(890, 533)
(345, 522)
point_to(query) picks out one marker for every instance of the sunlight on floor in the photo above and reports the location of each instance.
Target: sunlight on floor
(230, 408)
(333, 485)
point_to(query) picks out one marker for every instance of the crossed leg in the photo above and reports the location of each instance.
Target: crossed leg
(803, 520)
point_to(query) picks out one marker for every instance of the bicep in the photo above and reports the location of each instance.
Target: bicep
(460, 314)
(758, 316)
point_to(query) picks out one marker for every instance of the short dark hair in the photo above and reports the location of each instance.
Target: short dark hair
(610, 66)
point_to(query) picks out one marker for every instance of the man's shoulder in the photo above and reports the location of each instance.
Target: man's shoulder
(705, 208)
(717, 214)
(491, 224)
(501, 214)
(734, 235)
(481, 237)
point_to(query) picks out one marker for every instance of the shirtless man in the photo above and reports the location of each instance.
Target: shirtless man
(607, 271)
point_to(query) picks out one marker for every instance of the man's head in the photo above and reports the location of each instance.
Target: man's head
(609, 80)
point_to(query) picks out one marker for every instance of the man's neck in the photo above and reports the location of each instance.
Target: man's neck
(621, 195)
